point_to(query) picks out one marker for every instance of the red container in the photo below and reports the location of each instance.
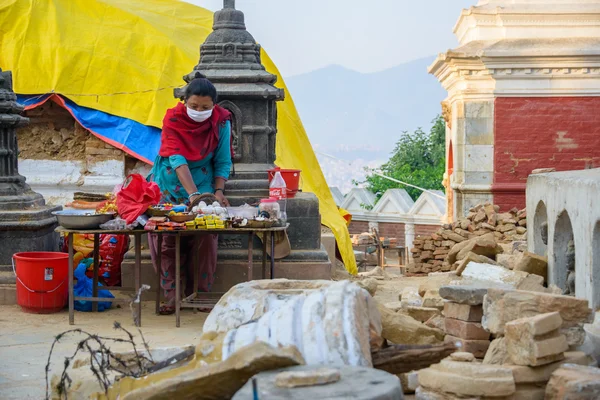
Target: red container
(291, 178)
(42, 286)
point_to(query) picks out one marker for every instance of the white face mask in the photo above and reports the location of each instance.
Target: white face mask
(199, 116)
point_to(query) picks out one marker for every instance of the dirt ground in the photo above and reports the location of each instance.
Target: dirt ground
(25, 339)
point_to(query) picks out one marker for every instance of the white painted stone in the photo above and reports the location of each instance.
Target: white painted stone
(58, 180)
(575, 192)
(330, 326)
(248, 301)
(494, 273)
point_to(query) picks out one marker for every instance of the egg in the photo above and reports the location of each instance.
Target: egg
(216, 204)
(202, 204)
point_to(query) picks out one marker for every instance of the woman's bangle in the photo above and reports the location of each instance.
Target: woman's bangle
(217, 189)
(194, 194)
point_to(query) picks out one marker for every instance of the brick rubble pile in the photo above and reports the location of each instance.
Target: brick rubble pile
(430, 253)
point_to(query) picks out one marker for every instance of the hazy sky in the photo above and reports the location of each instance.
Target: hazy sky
(366, 36)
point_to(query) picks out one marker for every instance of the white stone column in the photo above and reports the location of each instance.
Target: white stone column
(409, 237)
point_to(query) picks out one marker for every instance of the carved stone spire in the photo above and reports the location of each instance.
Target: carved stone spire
(12, 185)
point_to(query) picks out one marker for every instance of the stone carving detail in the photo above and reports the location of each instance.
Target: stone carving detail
(236, 126)
(447, 113)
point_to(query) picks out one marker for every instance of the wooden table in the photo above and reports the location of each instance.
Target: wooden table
(96, 254)
(208, 300)
(192, 301)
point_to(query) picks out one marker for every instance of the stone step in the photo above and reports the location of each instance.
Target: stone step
(247, 184)
(7, 277)
(8, 295)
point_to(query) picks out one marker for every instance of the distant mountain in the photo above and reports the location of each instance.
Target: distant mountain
(355, 116)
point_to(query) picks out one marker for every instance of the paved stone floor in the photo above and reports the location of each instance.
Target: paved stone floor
(25, 341)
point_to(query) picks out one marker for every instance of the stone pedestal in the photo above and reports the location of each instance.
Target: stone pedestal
(26, 223)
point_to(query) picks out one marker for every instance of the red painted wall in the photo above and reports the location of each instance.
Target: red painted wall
(530, 133)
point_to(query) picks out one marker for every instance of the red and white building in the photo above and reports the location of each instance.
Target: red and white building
(523, 93)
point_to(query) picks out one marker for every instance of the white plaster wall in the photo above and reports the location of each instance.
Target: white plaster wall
(58, 180)
(577, 192)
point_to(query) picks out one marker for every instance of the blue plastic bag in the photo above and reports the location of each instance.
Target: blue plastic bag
(83, 288)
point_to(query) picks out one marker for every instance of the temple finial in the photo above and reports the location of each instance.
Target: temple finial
(229, 4)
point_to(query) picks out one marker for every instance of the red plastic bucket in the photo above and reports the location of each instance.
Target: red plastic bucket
(42, 286)
(291, 178)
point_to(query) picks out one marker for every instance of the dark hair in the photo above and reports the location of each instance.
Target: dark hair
(201, 86)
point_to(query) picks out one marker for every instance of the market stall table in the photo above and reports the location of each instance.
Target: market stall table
(96, 254)
(192, 301)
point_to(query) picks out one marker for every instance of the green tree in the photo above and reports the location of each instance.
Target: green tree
(419, 158)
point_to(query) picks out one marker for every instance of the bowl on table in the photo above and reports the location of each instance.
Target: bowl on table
(81, 219)
(182, 218)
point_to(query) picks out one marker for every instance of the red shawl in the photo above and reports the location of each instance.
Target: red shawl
(181, 135)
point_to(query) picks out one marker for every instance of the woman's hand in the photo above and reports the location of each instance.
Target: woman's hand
(222, 199)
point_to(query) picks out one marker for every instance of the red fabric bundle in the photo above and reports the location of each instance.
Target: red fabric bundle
(136, 196)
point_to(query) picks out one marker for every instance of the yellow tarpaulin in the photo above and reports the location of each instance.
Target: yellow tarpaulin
(124, 57)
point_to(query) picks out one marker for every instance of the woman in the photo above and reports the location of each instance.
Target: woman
(194, 158)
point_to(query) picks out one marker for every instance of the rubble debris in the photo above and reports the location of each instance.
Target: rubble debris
(465, 329)
(541, 375)
(574, 382)
(399, 328)
(497, 354)
(355, 382)
(432, 299)
(535, 341)
(482, 232)
(437, 322)
(369, 284)
(212, 381)
(410, 297)
(470, 295)
(472, 257)
(463, 312)
(494, 273)
(465, 378)
(399, 359)
(422, 314)
(533, 264)
(376, 273)
(502, 306)
(477, 347)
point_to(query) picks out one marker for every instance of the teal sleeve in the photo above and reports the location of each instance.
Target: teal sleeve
(177, 161)
(222, 157)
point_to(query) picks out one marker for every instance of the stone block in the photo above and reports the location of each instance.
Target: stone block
(541, 374)
(394, 305)
(472, 257)
(533, 264)
(528, 392)
(437, 322)
(432, 299)
(574, 382)
(219, 380)
(497, 353)
(535, 341)
(497, 274)
(399, 328)
(463, 312)
(422, 314)
(502, 306)
(508, 261)
(477, 347)
(465, 330)
(410, 297)
(468, 379)
(471, 295)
